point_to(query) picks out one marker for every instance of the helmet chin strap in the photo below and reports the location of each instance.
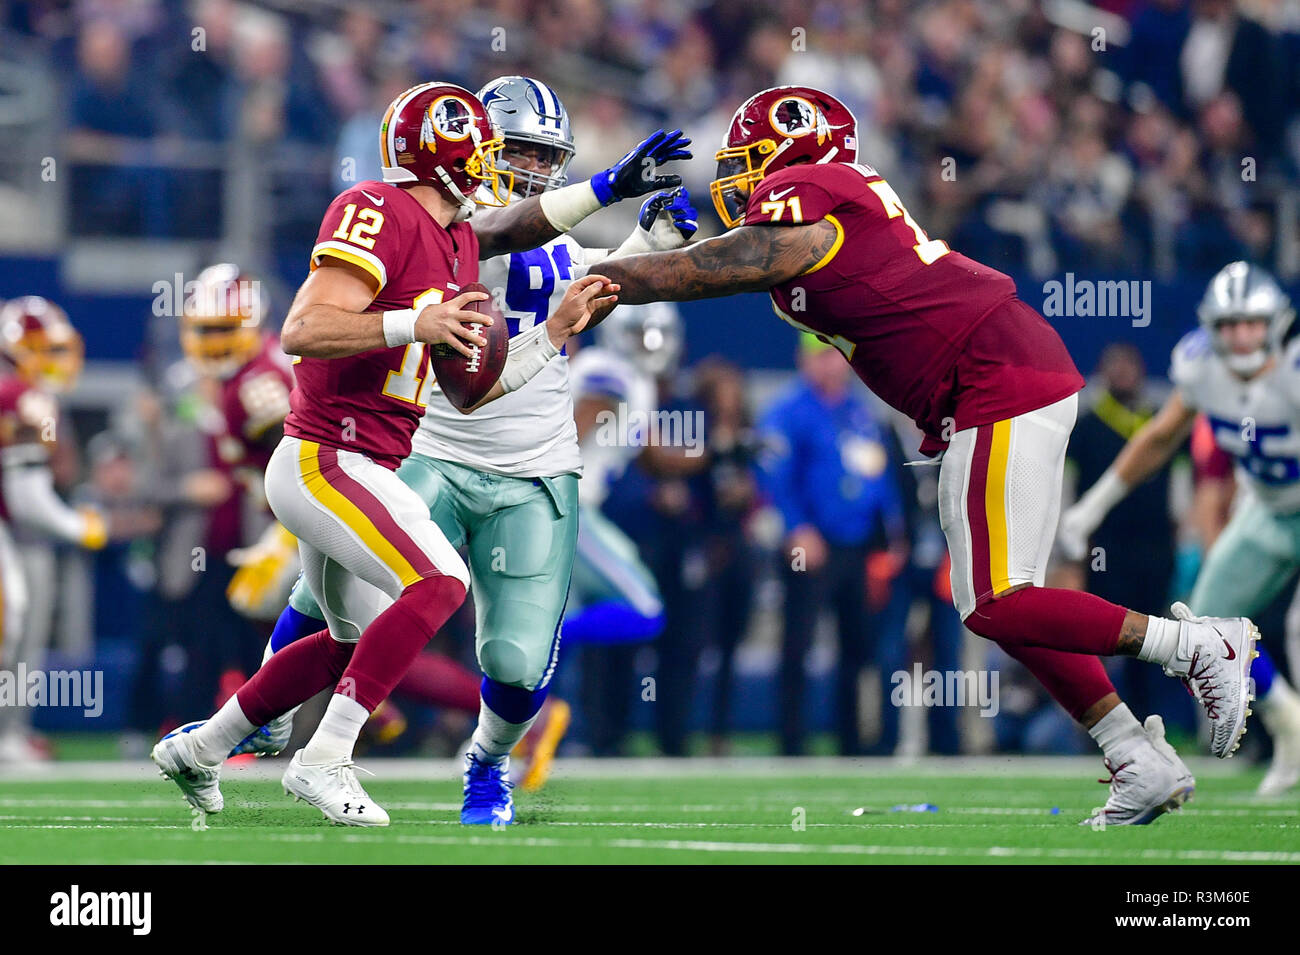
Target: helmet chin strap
(466, 204)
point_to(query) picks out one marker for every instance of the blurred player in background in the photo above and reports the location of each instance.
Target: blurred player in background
(1240, 369)
(225, 340)
(946, 340)
(614, 602)
(41, 359)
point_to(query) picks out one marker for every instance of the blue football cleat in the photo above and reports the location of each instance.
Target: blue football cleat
(263, 741)
(268, 740)
(487, 793)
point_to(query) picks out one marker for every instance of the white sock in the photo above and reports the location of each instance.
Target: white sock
(337, 732)
(227, 728)
(494, 737)
(1161, 642)
(1117, 733)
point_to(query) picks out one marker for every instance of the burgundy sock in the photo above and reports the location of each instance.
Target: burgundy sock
(1069, 620)
(440, 681)
(389, 645)
(293, 676)
(1074, 680)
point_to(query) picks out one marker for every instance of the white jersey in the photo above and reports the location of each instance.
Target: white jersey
(529, 432)
(617, 437)
(1256, 421)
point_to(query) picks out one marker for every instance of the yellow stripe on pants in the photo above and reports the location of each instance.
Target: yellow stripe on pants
(995, 506)
(351, 515)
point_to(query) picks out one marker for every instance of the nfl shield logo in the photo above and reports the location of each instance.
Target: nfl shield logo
(400, 143)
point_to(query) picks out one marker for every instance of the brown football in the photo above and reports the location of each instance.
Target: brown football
(466, 380)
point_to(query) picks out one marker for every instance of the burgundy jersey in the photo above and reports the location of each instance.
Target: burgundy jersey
(372, 402)
(254, 400)
(27, 416)
(933, 333)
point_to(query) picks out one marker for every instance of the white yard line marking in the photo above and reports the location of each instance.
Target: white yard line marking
(1115, 852)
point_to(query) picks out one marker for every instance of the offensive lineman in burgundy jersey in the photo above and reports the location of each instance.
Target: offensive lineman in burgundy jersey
(938, 336)
(945, 339)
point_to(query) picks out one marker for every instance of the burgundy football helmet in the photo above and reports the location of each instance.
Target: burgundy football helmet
(439, 133)
(221, 326)
(40, 344)
(774, 129)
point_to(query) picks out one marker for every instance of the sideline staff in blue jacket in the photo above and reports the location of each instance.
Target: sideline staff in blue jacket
(826, 467)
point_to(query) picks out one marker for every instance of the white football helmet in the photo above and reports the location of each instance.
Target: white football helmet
(649, 335)
(1242, 291)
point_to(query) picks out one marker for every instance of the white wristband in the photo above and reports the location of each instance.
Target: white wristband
(529, 353)
(399, 326)
(565, 208)
(638, 243)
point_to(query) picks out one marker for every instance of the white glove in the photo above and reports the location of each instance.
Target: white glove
(1079, 522)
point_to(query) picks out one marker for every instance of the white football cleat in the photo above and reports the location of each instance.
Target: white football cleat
(333, 789)
(1213, 660)
(1151, 782)
(1280, 714)
(199, 784)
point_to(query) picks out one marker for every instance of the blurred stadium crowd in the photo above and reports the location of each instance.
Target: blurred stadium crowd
(1156, 138)
(1090, 136)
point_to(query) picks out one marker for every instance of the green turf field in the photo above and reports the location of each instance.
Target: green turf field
(645, 811)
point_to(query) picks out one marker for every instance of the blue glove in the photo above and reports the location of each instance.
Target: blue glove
(634, 174)
(678, 203)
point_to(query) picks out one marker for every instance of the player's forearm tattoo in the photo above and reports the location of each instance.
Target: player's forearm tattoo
(519, 226)
(747, 259)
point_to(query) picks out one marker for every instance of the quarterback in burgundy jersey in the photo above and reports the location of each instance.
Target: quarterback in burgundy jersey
(945, 339)
(384, 285)
(372, 402)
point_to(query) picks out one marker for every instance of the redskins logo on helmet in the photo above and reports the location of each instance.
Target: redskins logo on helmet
(439, 133)
(774, 129)
(221, 326)
(793, 116)
(40, 343)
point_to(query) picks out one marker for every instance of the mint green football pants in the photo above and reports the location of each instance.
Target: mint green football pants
(1249, 563)
(521, 534)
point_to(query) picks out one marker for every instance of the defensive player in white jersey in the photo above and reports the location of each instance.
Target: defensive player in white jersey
(503, 480)
(1243, 372)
